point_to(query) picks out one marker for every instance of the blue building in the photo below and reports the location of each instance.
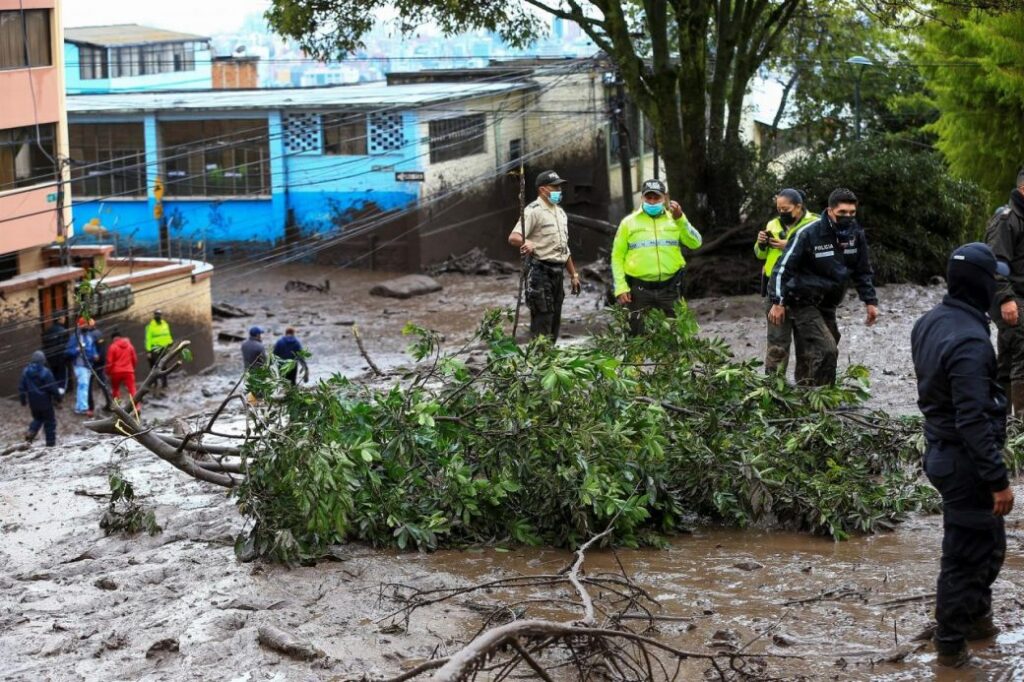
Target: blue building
(132, 57)
(254, 168)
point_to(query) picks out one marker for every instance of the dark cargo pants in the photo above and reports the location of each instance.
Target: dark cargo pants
(816, 336)
(973, 544)
(1010, 347)
(780, 339)
(45, 419)
(544, 295)
(652, 296)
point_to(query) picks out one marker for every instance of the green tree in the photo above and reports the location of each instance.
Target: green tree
(974, 68)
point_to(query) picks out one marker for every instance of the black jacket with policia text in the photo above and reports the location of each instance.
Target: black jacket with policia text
(818, 263)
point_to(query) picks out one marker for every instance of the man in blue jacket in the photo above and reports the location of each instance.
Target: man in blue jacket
(964, 409)
(38, 389)
(810, 282)
(288, 348)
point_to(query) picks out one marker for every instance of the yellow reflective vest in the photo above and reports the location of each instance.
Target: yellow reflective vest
(770, 254)
(158, 335)
(649, 248)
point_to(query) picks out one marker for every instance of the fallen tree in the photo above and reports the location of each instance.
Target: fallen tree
(543, 444)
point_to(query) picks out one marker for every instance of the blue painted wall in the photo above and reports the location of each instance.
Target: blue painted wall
(315, 188)
(199, 79)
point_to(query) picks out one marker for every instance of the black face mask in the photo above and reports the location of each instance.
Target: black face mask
(787, 218)
(844, 226)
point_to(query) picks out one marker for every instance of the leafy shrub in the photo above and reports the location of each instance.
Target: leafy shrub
(915, 213)
(548, 445)
(124, 513)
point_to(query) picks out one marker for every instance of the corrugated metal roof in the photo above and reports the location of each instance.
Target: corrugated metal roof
(369, 95)
(125, 34)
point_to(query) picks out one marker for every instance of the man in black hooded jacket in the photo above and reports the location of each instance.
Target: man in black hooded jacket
(965, 427)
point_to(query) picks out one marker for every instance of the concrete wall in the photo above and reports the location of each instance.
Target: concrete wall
(21, 333)
(230, 73)
(183, 297)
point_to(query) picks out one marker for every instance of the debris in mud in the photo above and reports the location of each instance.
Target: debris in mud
(226, 310)
(112, 642)
(105, 583)
(15, 448)
(282, 642)
(299, 285)
(169, 645)
(748, 566)
(472, 262)
(228, 337)
(406, 287)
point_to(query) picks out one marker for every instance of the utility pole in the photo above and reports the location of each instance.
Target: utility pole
(164, 245)
(619, 121)
(62, 228)
(522, 228)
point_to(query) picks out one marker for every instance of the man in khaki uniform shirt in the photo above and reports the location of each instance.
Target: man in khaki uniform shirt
(545, 243)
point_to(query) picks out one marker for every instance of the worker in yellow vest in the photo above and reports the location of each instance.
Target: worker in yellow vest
(771, 242)
(647, 254)
(158, 341)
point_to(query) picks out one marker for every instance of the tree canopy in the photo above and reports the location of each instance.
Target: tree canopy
(973, 64)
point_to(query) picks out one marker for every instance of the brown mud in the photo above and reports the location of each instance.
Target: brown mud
(75, 605)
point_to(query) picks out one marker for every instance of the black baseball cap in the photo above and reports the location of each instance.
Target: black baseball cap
(654, 185)
(981, 255)
(549, 178)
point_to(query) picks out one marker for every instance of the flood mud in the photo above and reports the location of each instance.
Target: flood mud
(75, 605)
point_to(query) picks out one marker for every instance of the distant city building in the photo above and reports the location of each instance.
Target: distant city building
(129, 57)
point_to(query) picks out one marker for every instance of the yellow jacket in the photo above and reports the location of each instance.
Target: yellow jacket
(158, 335)
(649, 248)
(770, 254)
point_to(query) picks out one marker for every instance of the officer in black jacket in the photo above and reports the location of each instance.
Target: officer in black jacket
(809, 282)
(965, 427)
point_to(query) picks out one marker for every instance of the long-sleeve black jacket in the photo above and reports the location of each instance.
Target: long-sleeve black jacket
(957, 389)
(1005, 236)
(816, 266)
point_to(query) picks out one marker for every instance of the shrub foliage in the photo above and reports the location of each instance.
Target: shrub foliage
(544, 444)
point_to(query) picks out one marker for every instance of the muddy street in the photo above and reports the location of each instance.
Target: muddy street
(75, 605)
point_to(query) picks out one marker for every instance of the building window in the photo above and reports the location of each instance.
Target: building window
(92, 63)
(146, 60)
(216, 158)
(8, 266)
(454, 138)
(21, 28)
(109, 159)
(344, 134)
(27, 158)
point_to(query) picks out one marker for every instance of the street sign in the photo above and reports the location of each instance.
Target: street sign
(410, 176)
(51, 198)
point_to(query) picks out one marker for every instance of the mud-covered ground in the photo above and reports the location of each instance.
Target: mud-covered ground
(75, 605)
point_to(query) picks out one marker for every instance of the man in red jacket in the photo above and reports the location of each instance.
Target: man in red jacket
(121, 362)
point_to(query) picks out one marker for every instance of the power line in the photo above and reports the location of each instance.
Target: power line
(347, 235)
(268, 137)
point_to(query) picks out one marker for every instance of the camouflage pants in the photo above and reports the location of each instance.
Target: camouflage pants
(1010, 347)
(544, 296)
(780, 338)
(816, 336)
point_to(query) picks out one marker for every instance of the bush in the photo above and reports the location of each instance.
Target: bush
(549, 445)
(915, 213)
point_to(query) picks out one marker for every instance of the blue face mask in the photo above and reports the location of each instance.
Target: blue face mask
(555, 197)
(654, 210)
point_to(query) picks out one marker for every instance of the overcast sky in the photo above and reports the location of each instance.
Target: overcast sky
(190, 16)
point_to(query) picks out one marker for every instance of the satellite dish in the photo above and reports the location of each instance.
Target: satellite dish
(239, 51)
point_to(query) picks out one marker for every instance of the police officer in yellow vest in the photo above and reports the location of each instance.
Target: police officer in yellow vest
(158, 340)
(545, 242)
(647, 254)
(771, 242)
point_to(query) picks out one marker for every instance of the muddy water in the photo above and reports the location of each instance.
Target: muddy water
(75, 605)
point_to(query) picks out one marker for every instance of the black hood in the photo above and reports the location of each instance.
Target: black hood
(971, 284)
